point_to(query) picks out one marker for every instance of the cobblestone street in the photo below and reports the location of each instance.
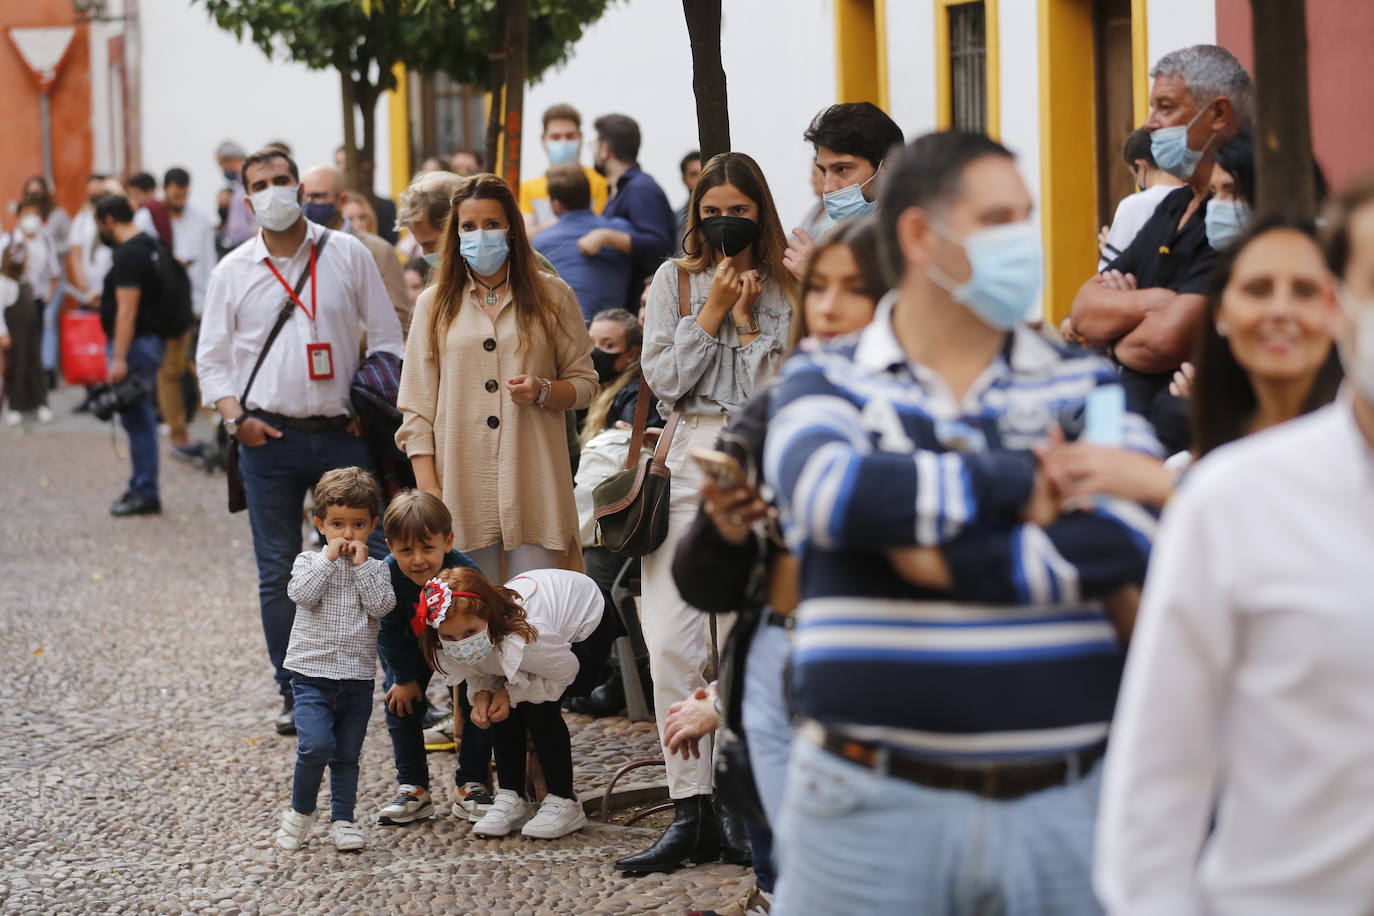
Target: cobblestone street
(139, 772)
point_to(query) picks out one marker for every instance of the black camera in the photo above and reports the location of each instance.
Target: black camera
(107, 400)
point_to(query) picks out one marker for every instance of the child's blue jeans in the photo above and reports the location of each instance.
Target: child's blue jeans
(331, 722)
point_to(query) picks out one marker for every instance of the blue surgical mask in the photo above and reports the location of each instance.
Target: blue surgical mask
(1007, 263)
(1169, 146)
(470, 651)
(432, 259)
(562, 152)
(1224, 221)
(322, 213)
(848, 202)
(485, 250)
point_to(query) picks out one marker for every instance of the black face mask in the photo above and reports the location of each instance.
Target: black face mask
(731, 234)
(605, 364)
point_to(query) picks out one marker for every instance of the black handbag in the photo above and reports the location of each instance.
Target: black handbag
(632, 504)
(238, 500)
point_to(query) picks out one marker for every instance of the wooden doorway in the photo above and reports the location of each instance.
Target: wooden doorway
(1115, 114)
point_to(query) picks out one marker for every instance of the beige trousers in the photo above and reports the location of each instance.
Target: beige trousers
(176, 359)
(678, 635)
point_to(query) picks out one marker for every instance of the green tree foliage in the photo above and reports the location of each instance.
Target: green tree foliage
(364, 39)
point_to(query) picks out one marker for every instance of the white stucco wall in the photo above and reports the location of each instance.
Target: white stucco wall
(200, 86)
(779, 63)
(1174, 24)
(911, 66)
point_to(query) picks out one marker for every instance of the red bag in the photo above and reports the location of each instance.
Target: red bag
(83, 348)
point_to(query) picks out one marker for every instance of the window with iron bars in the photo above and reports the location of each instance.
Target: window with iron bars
(968, 67)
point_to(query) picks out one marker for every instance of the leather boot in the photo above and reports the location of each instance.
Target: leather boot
(693, 836)
(608, 699)
(734, 839)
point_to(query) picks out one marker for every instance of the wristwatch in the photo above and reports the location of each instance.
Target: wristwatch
(231, 427)
(751, 328)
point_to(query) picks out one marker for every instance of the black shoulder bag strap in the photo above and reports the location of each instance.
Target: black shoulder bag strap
(282, 317)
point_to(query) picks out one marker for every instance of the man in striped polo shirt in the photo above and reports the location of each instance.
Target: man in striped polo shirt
(955, 667)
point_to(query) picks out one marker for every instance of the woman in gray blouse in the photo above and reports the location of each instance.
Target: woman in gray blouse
(740, 323)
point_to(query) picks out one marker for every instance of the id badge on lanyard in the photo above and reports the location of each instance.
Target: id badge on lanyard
(319, 356)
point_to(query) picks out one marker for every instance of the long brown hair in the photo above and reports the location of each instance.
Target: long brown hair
(499, 607)
(740, 171)
(860, 236)
(535, 313)
(1223, 402)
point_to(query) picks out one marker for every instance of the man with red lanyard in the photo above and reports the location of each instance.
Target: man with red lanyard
(296, 423)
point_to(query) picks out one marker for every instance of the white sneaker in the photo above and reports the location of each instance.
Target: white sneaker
(556, 817)
(294, 831)
(13, 418)
(44, 414)
(346, 836)
(412, 804)
(507, 812)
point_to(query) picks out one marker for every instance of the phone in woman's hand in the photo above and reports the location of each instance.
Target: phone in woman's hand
(722, 469)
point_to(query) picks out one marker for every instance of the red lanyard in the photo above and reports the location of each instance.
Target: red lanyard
(309, 312)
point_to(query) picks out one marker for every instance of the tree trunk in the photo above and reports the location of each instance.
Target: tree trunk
(708, 77)
(1284, 166)
(517, 51)
(496, 109)
(350, 139)
(367, 153)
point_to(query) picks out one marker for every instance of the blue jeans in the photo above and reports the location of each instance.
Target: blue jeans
(50, 312)
(140, 420)
(331, 722)
(851, 841)
(276, 476)
(408, 738)
(768, 731)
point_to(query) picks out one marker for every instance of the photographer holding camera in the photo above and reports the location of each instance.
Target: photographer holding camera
(129, 307)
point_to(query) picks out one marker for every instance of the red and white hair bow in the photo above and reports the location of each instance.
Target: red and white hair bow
(435, 599)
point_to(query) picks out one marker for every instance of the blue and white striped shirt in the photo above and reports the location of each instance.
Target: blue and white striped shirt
(868, 451)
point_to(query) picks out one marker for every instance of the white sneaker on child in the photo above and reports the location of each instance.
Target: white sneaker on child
(346, 836)
(507, 812)
(44, 414)
(13, 418)
(556, 817)
(294, 831)
(413, 803)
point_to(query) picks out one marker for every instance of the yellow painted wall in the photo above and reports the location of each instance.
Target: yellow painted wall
(1067, 150)
(398, 131)
(860, 56)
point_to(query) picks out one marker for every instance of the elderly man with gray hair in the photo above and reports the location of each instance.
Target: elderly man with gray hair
(1148, 304)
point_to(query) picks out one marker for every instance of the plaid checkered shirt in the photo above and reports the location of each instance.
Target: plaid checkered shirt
(338, 606)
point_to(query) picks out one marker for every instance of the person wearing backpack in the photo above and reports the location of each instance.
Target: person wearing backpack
(136, 320)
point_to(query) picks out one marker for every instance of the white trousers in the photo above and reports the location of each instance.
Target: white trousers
(516, 561)
(678, 635)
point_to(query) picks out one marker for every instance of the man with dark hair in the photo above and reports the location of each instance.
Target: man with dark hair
(851, 141)
(194, 235)
(296, 421)
(1153, 185)
(636, 198)
(128, 303)
(150, 214)
(690, 167)
(1149, 302)
(599, 281)
(562, 141)
(954, 670)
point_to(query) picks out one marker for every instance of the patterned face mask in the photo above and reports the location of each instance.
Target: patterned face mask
(469, 651)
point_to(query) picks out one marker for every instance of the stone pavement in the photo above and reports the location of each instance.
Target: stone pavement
(138, 769)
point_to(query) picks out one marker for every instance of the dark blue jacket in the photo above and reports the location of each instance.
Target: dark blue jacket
(639, 199)
(397, 645)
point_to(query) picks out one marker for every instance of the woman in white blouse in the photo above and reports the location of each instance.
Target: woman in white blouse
(741, 319)
(498, 351)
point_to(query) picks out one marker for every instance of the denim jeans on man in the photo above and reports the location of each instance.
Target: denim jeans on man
(331, 722)
(276, 477)
(855, 842)
(140, 420)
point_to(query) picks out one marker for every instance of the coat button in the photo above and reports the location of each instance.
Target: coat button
(493, 422)
(491, 385)
(489, 344)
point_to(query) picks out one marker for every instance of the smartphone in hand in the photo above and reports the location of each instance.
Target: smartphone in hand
(722, 469)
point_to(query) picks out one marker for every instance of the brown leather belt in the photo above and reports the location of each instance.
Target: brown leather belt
(1000, 781)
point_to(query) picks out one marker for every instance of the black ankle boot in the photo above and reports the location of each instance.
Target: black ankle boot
(734, 839)
(692, 836)
(608, 699)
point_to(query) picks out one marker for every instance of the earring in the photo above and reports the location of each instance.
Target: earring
(1221, 328)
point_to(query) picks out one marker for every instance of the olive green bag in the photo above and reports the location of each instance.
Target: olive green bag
(632, 505)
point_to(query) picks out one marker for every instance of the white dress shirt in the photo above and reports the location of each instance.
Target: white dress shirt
(96, 257)
(193, 243)
(565, 607)
(242, 304)
(1248, 696)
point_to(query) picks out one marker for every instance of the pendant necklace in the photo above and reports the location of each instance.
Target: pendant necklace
(491, 297)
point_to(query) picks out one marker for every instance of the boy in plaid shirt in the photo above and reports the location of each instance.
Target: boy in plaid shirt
(340, 594)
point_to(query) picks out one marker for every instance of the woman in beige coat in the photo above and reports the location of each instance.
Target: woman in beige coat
(498, 350)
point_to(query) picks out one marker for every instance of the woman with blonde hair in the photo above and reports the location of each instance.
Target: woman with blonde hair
(717, 320)
(497, 353)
